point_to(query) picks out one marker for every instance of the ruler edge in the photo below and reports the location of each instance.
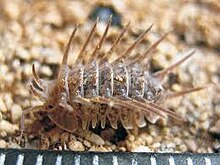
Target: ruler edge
(64, 152)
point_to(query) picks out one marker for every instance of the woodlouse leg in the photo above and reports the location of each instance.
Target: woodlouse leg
(113, 117)
(152, 118)
(139, 119)
(161, 74)
(126, 118)
(133, 46)
(22, 120)
(146, 106)
(137, 106)
(82, 51)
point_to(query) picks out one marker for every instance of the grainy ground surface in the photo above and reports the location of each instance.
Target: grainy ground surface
(37, 31)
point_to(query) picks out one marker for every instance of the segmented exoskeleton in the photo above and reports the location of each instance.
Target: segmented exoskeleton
(97, 91)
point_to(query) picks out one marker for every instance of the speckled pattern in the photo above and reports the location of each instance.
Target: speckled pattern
(36, 31)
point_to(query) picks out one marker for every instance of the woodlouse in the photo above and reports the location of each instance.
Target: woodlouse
(97, 91)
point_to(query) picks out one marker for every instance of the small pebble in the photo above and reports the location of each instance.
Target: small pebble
(44, 143)
(131, 138)
(3, 144)
(12, 9)
(46, 70)
(183, 148)
(16, 112)
(203, 116)
(76, 146)
(191, 144)
(8, 127)
(87, 143)
(123, 149)
(99, 149)
(13, 145)
(216, 128)
(149, 140)
(3, 134)
(142, 149)
(64, 137)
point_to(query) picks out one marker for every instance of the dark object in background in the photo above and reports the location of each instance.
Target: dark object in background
(215, 136)
(215, 130)
(217, 149)
(172, 79)
(153, 67)
(104, 12)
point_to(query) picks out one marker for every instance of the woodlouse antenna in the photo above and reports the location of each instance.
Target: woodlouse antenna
(37, 79)
(138, 59)
(95, 52)
(38, 93)
(134, 45)
(81, 53)
(161, 74)
(66, 52)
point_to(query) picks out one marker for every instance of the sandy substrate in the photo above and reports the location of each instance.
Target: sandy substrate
(37, 31)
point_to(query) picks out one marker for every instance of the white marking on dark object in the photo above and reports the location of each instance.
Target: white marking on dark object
(2, 159)
(114, 160)
(207, 161)
(39, 160)
(95, 160)
(189, 161)
(153, 160)
(171, 161)
(134, 162)
(59, 160)
(20, 159)
(77, 160)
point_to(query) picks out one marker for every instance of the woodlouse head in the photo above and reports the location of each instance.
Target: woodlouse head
(53, 94)
(44, 90)
(38, 86)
